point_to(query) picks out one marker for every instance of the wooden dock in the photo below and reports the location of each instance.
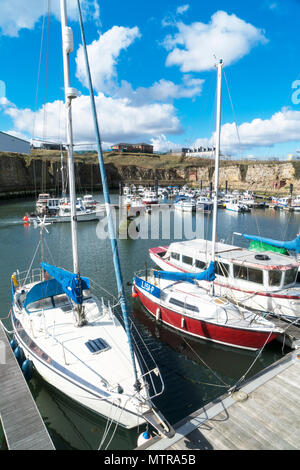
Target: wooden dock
(261, 415)
(22, 423)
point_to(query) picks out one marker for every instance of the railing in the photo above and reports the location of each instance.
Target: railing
(29, 277)
(151, 375)
(146, 273)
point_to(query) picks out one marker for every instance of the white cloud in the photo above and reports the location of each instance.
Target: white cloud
(162, 144)
(118, 120)
(182, 9)
(282, 127)
(161, 91)
(16, 14)
(103, 56)
(226, 36)
(273, 6)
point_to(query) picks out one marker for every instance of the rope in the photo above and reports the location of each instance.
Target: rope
(235, 121)
(109, 424)
(232, 389)
(5, 318)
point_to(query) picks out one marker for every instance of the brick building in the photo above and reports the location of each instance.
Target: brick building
(137, 148)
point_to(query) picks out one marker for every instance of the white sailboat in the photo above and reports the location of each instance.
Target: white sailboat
(72, 337)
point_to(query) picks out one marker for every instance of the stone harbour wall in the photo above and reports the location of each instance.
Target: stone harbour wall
(21, 175)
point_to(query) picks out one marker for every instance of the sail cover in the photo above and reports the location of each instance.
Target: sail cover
(42, 290)
(292, 245)
(72, 284)
(207, 275)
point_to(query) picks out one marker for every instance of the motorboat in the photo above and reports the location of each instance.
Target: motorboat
(185, 205)
(266, 281)
(204, 203)
(149, 197)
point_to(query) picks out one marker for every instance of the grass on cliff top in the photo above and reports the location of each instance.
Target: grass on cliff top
(125, 159)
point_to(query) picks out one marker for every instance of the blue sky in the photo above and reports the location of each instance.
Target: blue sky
(153, 71)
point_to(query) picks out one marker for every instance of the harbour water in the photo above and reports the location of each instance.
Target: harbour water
(194, 371)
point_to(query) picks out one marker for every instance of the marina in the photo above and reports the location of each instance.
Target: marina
(150, 294)
(176, 355)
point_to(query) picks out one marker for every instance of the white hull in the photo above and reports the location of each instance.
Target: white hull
(104, 408)
(59, 353)
(81, 217)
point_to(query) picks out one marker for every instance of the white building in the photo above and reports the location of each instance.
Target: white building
(10, 143)
(201, 152)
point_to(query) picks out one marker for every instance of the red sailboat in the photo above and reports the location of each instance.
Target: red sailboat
(177, 298)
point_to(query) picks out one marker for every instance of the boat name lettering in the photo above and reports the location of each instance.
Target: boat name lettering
(147, 286)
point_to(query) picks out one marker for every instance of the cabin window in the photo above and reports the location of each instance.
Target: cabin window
(177, 302)
(181, 304)
(255, 275)
(290, 276)
(193, 308)
(248, 274)
(275, 278)
(187, 260)
(200, 264)
(222, 269)
(240, 271)
(175, 256)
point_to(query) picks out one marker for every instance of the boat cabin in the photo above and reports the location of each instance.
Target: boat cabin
(234, 266)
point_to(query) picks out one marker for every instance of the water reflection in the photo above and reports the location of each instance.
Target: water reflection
(73, 427)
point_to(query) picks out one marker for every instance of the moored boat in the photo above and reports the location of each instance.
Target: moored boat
(192, 310)
(180, 300)
(266, 282)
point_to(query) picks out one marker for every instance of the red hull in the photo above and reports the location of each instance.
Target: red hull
(236, 337)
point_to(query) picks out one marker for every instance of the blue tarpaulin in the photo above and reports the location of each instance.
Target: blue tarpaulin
(42, 290)
(207, 275)
(72, 284)
(292, 245)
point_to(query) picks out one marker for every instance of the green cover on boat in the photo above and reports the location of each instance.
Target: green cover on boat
(260, 246)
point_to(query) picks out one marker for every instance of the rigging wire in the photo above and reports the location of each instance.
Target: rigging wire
(234, 116)
(37, 92)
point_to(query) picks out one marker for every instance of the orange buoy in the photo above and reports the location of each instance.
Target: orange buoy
(134, 293)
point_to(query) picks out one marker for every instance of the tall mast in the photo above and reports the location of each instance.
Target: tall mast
(112, 236)
(70, 93)
(217, 158)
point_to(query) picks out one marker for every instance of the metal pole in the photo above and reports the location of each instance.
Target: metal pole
(111, 229)
(68, 102)
(217, 158)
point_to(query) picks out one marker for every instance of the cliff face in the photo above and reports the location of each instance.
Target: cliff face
(259, 176)
(21, 175)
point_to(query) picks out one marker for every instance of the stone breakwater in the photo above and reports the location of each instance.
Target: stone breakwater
(22, 175)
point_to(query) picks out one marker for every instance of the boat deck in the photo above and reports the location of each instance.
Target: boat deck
(22, 423)
(262, 415)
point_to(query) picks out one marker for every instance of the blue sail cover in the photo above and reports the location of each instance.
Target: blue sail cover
(42, 290)
(207, 275)
(71, 283)
(292, 245)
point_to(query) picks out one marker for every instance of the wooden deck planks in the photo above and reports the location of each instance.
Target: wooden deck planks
(267, 420)
(22, 423)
